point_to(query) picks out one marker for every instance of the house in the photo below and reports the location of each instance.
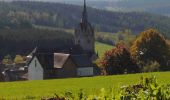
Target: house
(13, 72)
(59, 65)
(65, 65)
(16, 75)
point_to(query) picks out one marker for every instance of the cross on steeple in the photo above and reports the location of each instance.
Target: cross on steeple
(84, 15)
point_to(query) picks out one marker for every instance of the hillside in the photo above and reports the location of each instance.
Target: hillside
(35, 90)
(19, 22)
(23, 41)
(152, 6)
(68, 16)
(101, 48)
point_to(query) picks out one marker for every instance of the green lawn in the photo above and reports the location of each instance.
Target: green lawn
(38, 89)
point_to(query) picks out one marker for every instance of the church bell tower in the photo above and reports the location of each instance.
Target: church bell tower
(84, 33)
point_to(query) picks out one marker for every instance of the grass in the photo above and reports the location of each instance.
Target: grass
(45, 88)
(101, 48)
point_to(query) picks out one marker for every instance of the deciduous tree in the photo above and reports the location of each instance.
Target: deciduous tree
(118, 61)
(151, 46)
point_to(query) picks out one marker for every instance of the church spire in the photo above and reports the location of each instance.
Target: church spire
(84, 15)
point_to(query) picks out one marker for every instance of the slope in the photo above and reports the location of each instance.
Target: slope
(38, 89)
(67, 16)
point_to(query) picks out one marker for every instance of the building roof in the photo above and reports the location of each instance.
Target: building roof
(82, 60)
(60, 59)
(46, 60)
(57, 60)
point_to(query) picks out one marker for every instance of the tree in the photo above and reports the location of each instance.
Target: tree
(7, 60)
(117, 61)
(18, 59)
(151, 46)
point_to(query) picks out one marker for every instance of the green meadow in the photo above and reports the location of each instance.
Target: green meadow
(91, 85)
(101, 48)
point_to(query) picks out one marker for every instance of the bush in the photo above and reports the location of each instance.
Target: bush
(152, 66)
(146, 89)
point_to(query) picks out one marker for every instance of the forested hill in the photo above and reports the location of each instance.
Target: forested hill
(152, 6)
(67, 16)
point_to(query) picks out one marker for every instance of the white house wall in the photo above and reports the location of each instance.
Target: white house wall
(86, 71)
(35, 71)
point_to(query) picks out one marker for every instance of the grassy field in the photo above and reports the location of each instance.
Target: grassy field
(101, 48)
(45, 88)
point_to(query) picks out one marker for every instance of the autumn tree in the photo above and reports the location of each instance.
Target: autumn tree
(7, 60)
(18, 59)
(151, 46)
(117, 61)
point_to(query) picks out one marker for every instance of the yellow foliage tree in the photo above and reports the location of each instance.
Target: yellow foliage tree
(18, 59)
(7, 60)
(151, 46)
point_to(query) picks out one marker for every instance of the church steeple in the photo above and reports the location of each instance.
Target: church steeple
(84, 33)
(84, 15)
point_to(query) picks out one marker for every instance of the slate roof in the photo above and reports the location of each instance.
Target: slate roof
(50, 60)
(57, 60)
(82, 60)
(46, 60)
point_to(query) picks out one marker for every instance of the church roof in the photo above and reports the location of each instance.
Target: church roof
(57, 60)
(82, 60)
(60, 59)
(46, 60)
(84, 14)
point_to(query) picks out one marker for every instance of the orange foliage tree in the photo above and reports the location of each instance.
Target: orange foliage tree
(151, 46)
(117, 61)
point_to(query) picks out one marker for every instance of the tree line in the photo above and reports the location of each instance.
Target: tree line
(23, 41)
(150, 51)
(68, 16)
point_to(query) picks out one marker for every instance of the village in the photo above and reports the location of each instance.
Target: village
(43, 64)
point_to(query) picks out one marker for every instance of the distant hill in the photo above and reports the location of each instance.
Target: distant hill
(152, 6)
(19, 21)
(23, 41)
(68, 16)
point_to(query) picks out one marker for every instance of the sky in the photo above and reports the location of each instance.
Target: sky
(78, 0)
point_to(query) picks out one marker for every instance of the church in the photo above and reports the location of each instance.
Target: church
(76, 62)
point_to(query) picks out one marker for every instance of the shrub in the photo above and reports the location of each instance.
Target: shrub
(146, 89)
(152, 66)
